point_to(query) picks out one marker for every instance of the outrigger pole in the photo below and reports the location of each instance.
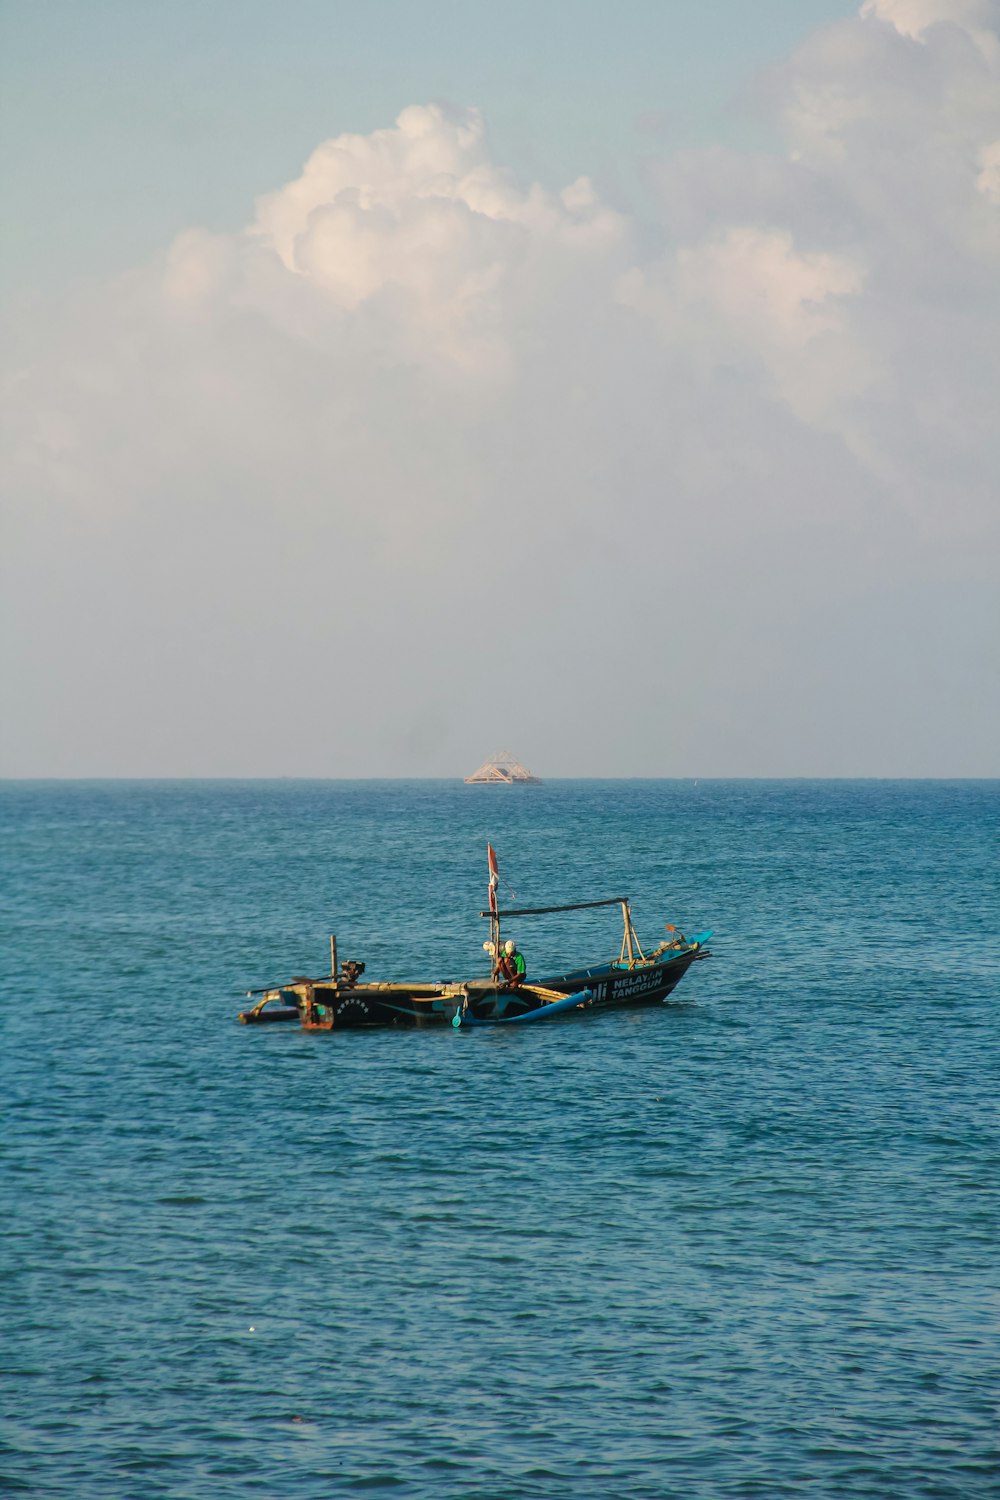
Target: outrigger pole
(541, 911)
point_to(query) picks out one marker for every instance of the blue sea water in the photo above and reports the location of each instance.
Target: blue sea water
(744, 1244)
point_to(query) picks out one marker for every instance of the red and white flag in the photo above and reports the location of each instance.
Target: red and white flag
(494, 876)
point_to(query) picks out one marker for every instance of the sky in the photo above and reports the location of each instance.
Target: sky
(387, 385)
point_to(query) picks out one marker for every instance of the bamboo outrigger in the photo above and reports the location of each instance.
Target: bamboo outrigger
(343, 999)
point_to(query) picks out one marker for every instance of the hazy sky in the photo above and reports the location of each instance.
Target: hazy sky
(386, 384)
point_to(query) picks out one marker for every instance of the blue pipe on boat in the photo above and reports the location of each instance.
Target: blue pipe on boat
(551, 1008)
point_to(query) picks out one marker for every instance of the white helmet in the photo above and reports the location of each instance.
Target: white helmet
(510, 946)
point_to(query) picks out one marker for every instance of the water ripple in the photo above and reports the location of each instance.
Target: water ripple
(742, 1245)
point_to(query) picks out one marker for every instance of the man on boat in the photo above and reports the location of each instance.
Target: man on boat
(511, 966)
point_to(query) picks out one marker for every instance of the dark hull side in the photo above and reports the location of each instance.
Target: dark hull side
(613, 988)
(324, 1007)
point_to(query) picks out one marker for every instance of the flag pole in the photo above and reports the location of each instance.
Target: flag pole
(494, 881)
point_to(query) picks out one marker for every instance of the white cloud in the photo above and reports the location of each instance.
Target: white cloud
(419, 220)
(747, 296)
(887, 186)
(914, 18)
(988, 181)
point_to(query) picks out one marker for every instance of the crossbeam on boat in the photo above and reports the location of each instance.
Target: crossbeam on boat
(543, 911)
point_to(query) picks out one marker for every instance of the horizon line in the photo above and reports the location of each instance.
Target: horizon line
(543, 781)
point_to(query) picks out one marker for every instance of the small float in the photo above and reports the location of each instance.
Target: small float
(343, 998)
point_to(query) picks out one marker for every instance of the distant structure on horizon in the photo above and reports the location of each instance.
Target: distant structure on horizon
(502, 767)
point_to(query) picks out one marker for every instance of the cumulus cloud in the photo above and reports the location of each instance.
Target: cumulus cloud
(422, 431)
(988, 181)
(914, 18)
(890, 123)
(416, 227)
(748, 296)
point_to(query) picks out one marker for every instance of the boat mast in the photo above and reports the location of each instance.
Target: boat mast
(494, 881)
(630, 943)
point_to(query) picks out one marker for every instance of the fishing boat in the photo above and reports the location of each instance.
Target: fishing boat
(344, 999)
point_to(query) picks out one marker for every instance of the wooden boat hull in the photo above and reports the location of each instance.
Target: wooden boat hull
(322, 1006)
(616, 986)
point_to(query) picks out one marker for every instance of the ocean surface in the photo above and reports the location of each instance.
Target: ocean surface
(743, 1244)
